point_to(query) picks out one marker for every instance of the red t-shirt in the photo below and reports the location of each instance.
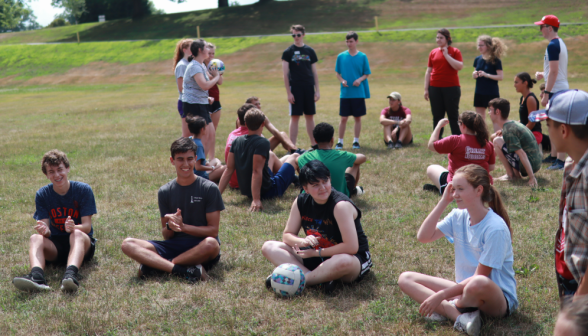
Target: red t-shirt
(560, 243)
(463, 150)
(214, 93)
(398, 115)
(243, 130)
(443, 75)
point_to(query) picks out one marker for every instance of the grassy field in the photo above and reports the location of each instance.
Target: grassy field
(117, 133)
(316, 15)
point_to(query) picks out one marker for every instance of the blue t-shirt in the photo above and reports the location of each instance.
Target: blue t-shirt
(200, 156)
(351, 68)
(487, 86)
(487, 243)
(77, 203)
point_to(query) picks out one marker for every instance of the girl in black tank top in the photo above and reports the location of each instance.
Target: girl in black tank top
(523, 83)
(524, 112)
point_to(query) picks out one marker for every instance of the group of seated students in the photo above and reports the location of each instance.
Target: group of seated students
(335, 246)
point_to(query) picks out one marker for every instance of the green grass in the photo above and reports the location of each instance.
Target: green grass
(117, 137)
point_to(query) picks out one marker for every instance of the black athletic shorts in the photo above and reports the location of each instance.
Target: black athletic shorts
(214, 107)
(197, 110)
(303, 100)
(61, 243)
(443, 182)
(365, 260)
(352, 107)
(513, 160)
(351, 184)
(482, 100)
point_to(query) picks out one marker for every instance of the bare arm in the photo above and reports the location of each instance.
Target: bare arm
(202, 167)
(531, 106)
(359, 159)
(428, 232)
(427, 81)
(358, 81)
(286, 73)
(228, 173)
(550, 81)
(317, 91)
(180, 82)
(341, 80)
(203, 83)
(210, 230)
(256, 179)
(457, 65)
(86, 225)
(435, 135)
(167, 234)
(220, 80)
(386, 122)
(497, 77)
(525, 161)
(290, 235)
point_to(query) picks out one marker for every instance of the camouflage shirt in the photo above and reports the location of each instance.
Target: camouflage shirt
(517, 136)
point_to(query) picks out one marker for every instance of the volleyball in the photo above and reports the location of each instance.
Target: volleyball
(218, 64)
(288, 280)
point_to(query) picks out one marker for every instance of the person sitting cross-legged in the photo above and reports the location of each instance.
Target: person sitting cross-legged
(190, 209)
(337, 247)
(344, 166)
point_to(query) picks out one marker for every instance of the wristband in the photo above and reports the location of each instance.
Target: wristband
(548, 92)
(167, 226)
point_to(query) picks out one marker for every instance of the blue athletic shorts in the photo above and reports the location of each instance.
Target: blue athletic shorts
(171, 248)
(281, 181)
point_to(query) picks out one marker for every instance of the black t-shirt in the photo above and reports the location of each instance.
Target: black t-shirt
(243, 149)
(195, 201)
(319, 220)
(487, 86)
(300, 60)
(524, 112)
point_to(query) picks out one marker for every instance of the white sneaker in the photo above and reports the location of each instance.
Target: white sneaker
(359, 191)
(470, 323)
(436, 318)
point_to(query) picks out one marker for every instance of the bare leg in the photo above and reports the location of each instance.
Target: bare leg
(420, 287)
(394, 134)
(434, 172)
(405, 135)
(483, 293)
(207, 250)
(310, 128)
(355, 172)
(211, 135)
(145, 253)
(79, 243)
(185, 130)
(285, 142)
(294, 128)
(215, 118)
(562, 156)
(553, 149)
(274, 163)
(357, 127)
(216, 174)
(387, 133)
(41, 249)
(510, 172)
(482, 112)
(342, 127)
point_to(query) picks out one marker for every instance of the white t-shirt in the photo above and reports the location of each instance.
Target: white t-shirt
(487, 243)
(180, 71)
(557, 51)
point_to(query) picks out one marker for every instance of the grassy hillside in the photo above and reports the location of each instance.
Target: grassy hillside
(316, 15)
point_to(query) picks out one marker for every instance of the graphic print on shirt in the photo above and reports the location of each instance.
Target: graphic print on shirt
(59, 215)
(475, 153)
(314, 230)
(297, 57)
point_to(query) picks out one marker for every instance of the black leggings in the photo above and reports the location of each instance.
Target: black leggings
(445, 99)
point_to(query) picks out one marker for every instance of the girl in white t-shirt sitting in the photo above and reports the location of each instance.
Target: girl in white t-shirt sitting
(484, 275)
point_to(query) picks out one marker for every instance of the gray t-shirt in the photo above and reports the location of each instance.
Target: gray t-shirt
(195, 201)
(180, 71)
(193, 94)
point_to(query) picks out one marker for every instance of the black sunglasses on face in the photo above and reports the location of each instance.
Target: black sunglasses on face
(296, 35)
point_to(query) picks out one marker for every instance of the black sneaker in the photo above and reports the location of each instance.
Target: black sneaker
(549, 159)
(268, 282)
(298, 151)
(356, 145)
(296, 181)
(430, 187)
(148, 271)
(70, 282)
(31, 283)
(328, 287)
(194, 273)
(398, 145)
(390, 145)
(339, 146)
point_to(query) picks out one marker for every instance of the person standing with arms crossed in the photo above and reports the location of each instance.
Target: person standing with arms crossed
(442, 83)
(301, 81)
(555, 73)
(352, 69)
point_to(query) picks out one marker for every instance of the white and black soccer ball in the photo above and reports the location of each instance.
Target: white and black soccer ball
(288, 280)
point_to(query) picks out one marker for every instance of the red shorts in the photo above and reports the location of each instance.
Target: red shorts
(538, 137)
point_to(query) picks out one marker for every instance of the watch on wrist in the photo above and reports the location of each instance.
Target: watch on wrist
(548, 92)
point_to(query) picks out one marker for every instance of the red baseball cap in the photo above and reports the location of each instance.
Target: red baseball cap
(551, 20)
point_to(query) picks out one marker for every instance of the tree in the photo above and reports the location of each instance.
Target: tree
(73, 8)
(16, 15)
(223, 3)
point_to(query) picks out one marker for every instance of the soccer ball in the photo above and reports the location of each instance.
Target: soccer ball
(288, 280)
(218, 64)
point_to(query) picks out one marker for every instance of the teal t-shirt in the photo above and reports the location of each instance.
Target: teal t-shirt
(336, 161)
(351, 68)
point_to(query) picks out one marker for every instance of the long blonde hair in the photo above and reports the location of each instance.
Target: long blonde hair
(496, 47)
(179, 54)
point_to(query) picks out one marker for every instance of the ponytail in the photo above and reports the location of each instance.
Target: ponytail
(496, 204)
(195, 47)
(496, 47)
(475, 123)
(179, 53)
(525, 77)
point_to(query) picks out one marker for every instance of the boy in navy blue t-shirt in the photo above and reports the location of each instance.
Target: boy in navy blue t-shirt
(64, 212)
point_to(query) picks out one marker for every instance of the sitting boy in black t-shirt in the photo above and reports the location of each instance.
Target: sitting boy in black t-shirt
(190, 209)
(64, 212)
(334, 237)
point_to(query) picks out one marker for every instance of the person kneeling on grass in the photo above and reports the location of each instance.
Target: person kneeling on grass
(515, 145)
(212, 170)
(335, 246)
(396, 120)
(484, 272)
(190, 209)
(470, 147)
(64, 226)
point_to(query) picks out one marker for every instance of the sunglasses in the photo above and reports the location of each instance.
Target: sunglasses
(296, 35)
(543, 26)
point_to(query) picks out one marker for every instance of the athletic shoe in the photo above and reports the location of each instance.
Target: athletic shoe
(549, 159)
(557, 165)
(70, 282)
(328, 287)
(436, 318)
(298, 151)
(430, 187)
(470, 323)
(398, 145)
(339, 146)
(356, 145)
(146, 271)
(194, 273)
(31, 283)
(359, 190)
(268, 282)
(390, 145)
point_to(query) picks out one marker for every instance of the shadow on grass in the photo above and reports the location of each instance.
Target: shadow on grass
(347, 297)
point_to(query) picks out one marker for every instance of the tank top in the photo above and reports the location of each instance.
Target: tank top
(524, 112)
(318, 220)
